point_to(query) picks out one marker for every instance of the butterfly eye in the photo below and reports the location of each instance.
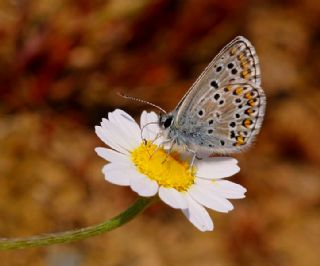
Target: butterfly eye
(167, 123)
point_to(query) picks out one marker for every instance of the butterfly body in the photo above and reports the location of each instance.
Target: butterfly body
(223, 111)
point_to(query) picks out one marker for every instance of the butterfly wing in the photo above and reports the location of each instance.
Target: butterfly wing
(227, 119)
(224, 108)
(237, 60)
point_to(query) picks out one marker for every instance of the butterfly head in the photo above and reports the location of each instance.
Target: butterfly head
(166, 120)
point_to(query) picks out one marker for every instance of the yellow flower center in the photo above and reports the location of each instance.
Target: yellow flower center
(168, 170)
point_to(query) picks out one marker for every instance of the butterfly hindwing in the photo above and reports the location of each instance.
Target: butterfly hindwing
(228, 117)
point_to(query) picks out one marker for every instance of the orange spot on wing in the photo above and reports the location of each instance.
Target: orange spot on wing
(247, 123)
(249, 111)
(240, 140)
(244, 64)
(245, 74)
(248, 95)
(239, 90)
(251, 102)
(241, 57)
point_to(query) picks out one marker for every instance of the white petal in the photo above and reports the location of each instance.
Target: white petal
(217, 167)
(118, 174)
(198, 215)
(173, 198)
(110, 139)
(121, 137)
(228, 189)
(143, 185)
(218, 187)
(111, 155)
(205, 197)
(126, 124)
(149, 125)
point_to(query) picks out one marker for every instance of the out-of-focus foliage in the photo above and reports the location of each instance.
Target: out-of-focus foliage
(62, 63)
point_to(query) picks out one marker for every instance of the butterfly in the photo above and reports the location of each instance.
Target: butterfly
(223, 110)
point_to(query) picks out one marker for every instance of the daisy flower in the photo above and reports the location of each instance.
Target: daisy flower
(137, 159)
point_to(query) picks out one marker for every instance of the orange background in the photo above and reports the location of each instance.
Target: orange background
(61, 64)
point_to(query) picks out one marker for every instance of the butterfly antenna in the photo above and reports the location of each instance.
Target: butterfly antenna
(141, 101)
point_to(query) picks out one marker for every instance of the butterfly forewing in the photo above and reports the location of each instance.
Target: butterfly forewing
(236, 61)
(226, 104)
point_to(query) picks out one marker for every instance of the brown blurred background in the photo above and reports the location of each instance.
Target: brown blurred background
(61, 64)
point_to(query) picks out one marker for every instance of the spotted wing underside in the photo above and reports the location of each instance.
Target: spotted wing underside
(226, 102)
(229, 117)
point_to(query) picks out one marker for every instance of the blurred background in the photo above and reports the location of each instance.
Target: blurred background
(62, 63)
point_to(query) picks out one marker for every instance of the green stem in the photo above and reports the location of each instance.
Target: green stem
(74, 235)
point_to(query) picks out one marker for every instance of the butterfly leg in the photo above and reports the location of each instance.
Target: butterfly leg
(161, 146)
(193, 159)
(157, 136)
(194, 156)
(169, 150)
(145, 143)
(152, 142)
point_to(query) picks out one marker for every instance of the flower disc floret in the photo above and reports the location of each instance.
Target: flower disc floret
(168, 170)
